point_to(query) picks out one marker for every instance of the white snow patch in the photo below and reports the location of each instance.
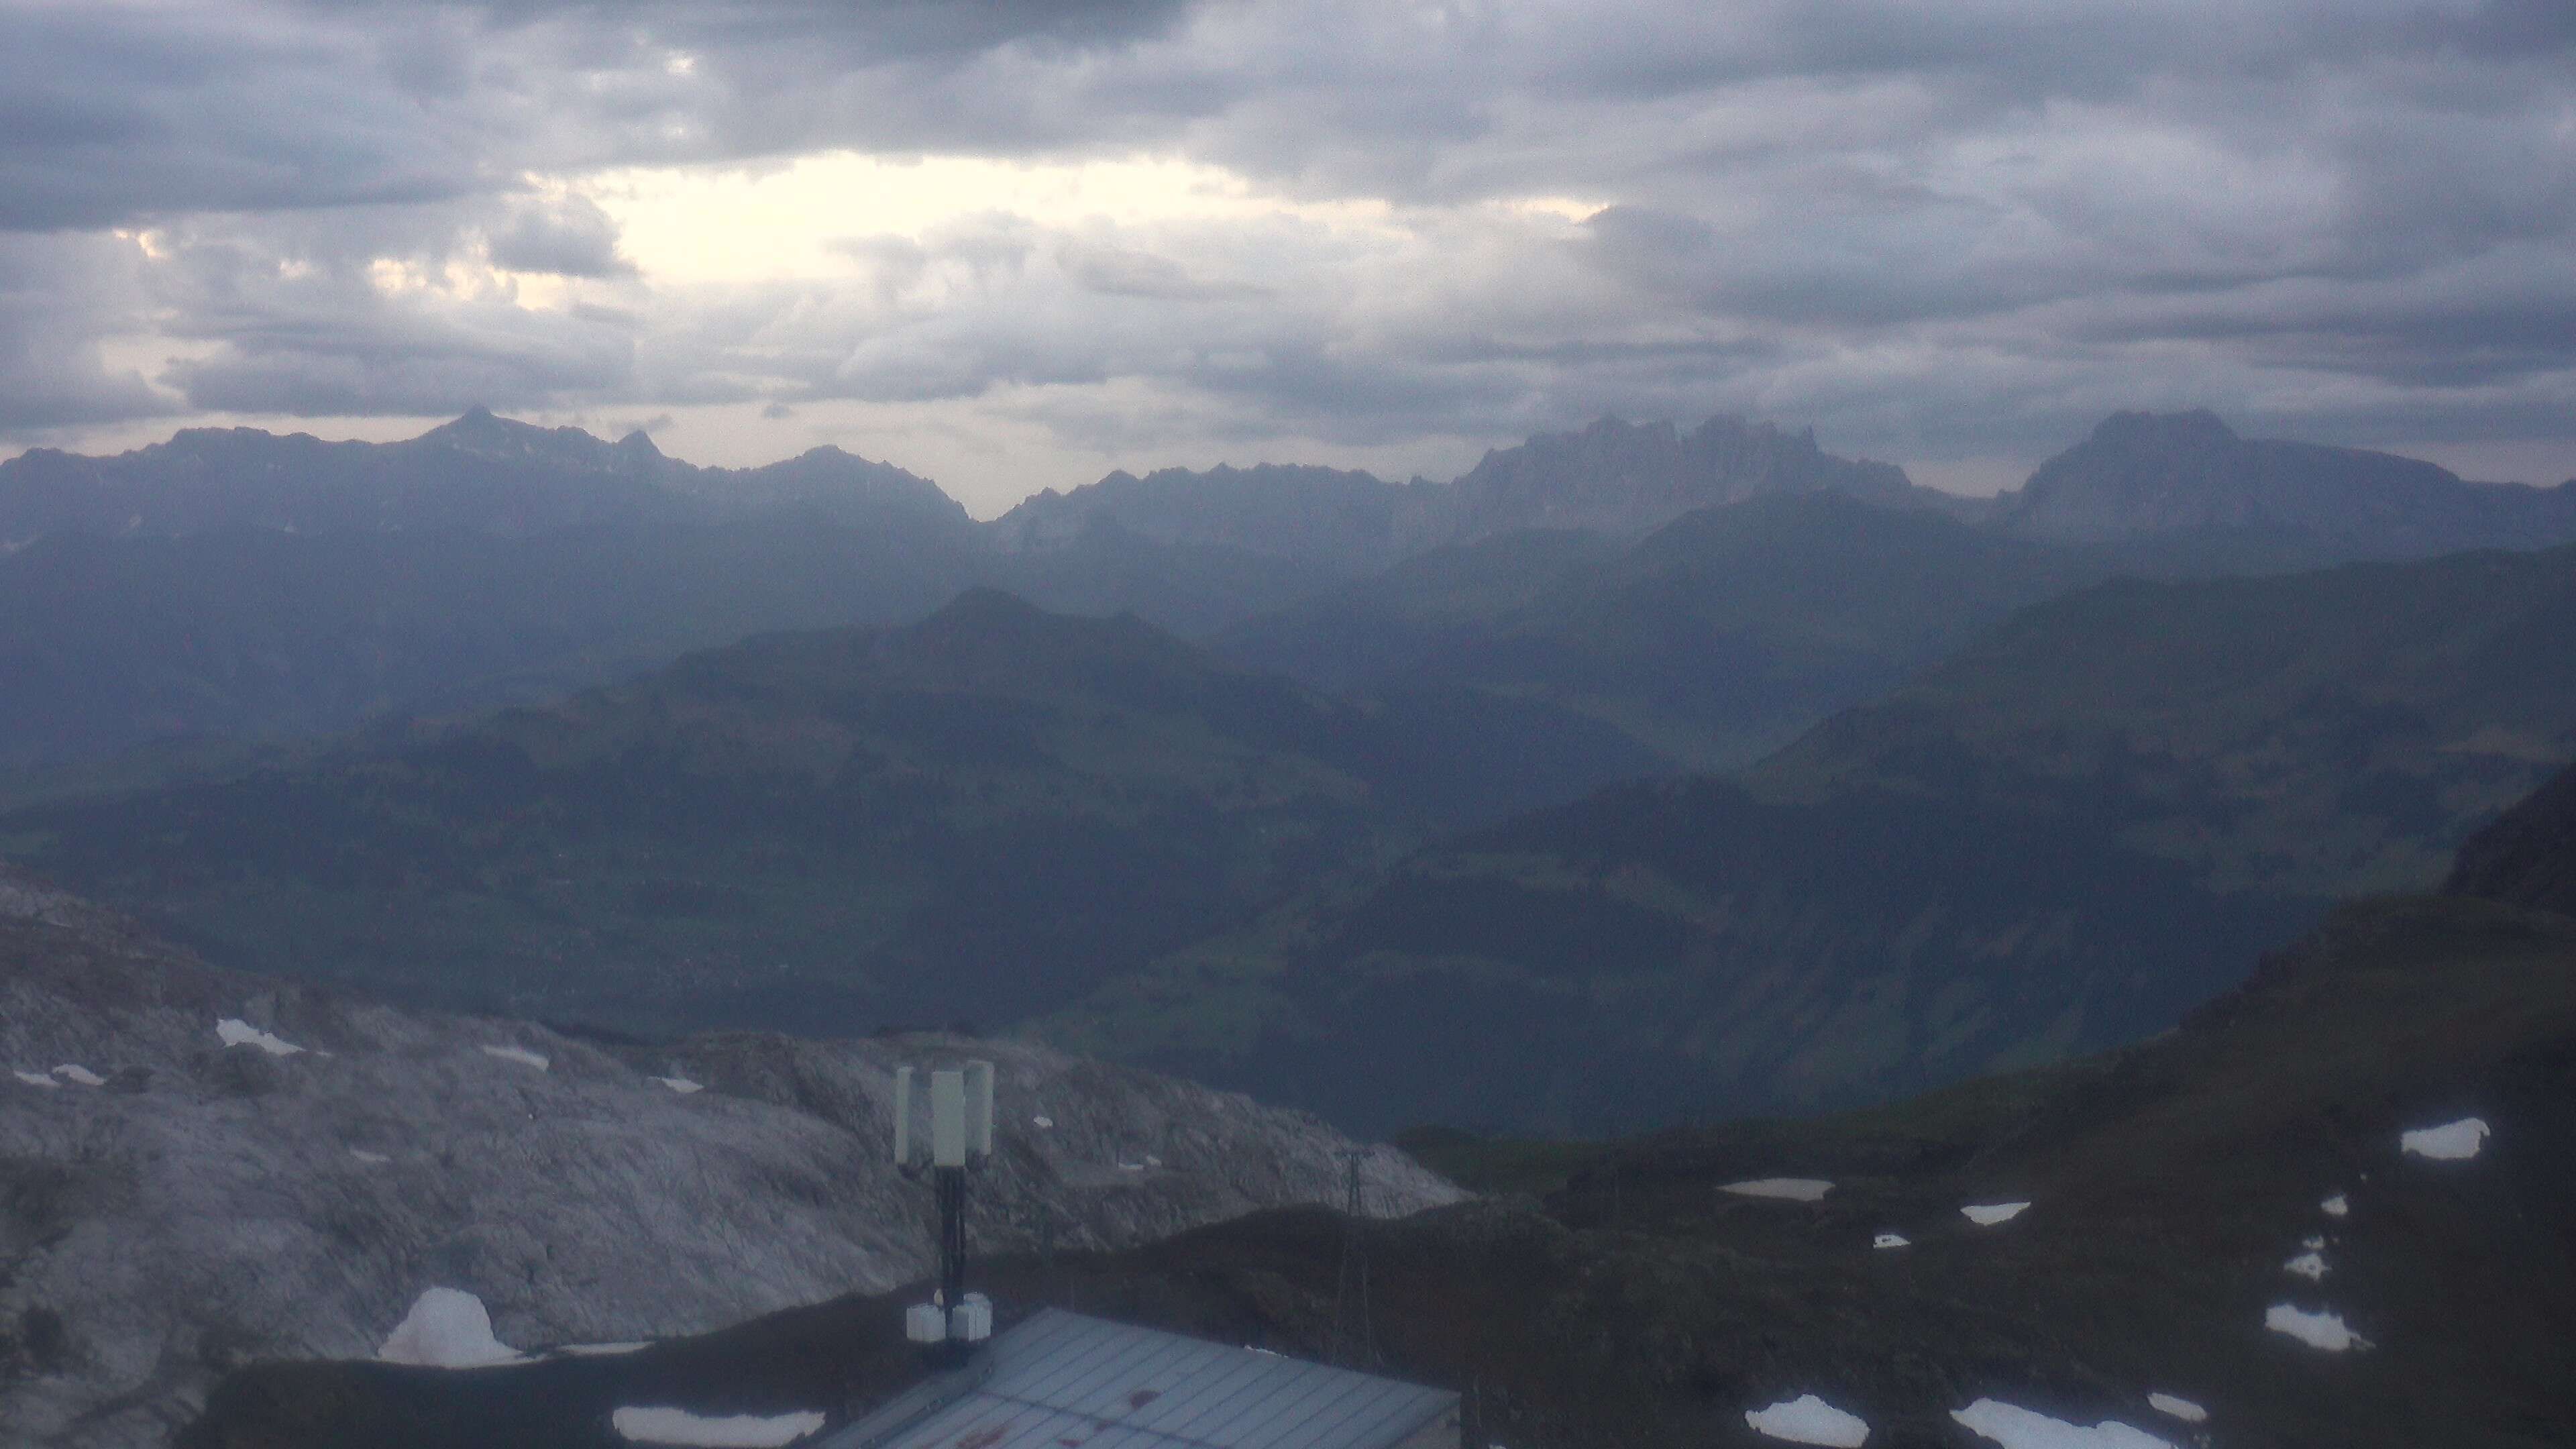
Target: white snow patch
(72, 1072)
(2315, 1243)
(447, 1328)
(372, 1159)
(2311, 1266)
(2018, 1428)
(1043, 1122)
(2336, 1206)
(1807, 1419)
(603, 1350)
(2317, 1330)
(517, 1054)
(1891, 1240)
(681, 1085)
(1986, 1215)
(737, 1431)
(236, 1032)
(2179, 1407)
(1789, 1189)
(2450, 1142)
(37, 1079)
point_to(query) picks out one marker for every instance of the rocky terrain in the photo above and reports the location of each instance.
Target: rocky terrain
(200, 1169)
(2329, 1210)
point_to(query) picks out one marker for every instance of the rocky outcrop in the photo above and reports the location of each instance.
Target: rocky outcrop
(200, 1169)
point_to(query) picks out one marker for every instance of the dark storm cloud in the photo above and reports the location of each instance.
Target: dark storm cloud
(1969, 226)
(1125, 272)
(570, 237)
(335, 313)
(58, 296)
(109, 114)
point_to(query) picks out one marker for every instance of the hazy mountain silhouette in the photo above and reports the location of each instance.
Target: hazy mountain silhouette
(1612, 477)
(1712, 640)
(479, 473)
(2143, 474)
(2062, 838)
(980, 816)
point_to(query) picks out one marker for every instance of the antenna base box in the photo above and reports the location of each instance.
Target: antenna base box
(925, 1323)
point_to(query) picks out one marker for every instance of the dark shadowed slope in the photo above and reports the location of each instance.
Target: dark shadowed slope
(2528, 857)
(1670, 952)
(2318, 733)
(249, 635)
(1718, 637)
(2168, 1185)
(977, 816)
(2058, 840)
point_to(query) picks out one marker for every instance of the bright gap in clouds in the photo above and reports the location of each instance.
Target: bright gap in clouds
(722, 224)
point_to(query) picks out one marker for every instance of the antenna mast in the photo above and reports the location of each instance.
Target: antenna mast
(961, 1133)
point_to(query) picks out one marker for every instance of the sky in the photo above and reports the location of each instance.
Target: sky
(1011, 244)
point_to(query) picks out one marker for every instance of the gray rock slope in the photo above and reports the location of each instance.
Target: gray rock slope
(205, 1204)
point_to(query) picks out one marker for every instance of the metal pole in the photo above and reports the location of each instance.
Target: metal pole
(951, 1183)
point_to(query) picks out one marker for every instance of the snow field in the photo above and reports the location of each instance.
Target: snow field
(2178, 1407)
(2324, 1330)
(1807, 1419)
(2015, 1427)
(736, 1431)
(2450, 1142)
(233, 1032)
(446, 1328)
(1787, 1189)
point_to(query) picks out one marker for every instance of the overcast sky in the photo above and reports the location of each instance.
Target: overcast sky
(1013, 243)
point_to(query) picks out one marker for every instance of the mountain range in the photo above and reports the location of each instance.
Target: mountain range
(234, 585)
(977, 817)
(2062, 837)
(2028, 803)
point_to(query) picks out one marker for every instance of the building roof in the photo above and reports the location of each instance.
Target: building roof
(1064, 1381)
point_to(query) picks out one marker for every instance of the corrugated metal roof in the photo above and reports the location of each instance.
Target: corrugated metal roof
(1063, 1381)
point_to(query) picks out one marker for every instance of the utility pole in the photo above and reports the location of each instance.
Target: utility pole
(1354, 1338)
(961, 1131)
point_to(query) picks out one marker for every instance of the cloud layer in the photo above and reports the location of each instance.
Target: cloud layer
(1309, 229)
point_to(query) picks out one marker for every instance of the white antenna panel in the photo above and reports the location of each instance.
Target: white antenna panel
(979, 1108)
(902, 1115)
(948, 1119)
